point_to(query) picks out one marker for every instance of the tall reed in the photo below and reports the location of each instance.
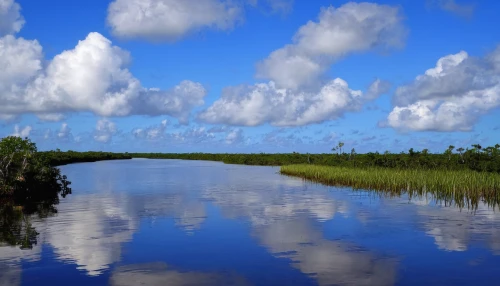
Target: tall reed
(463, 188)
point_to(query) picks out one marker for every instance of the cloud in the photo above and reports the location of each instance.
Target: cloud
(21, 61)
(252, 105)
(92, 77)
(449, 97)
(64, 132)
(377, 88)
(465, 10)
(295, 94)
(177, 102)
(218, 129)
(170, 20)
(192, 135)
(151, 133)
(338, 32)
(47, 134)
(195, 134)
(235, 137)
(104, 131)
(11, 20)
(22, 132)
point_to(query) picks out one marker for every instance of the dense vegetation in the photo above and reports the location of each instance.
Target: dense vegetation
(28, 185)
(58, 158)
(25, 174)
(463, 187)
(476, 158)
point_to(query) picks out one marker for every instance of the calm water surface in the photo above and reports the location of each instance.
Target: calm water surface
(169, 222)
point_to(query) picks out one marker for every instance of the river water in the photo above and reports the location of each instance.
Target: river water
(171, 222)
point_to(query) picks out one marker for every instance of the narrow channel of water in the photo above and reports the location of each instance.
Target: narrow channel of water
(206, 223)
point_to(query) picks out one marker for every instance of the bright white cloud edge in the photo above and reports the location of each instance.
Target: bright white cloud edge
(170, 19)
(350, 28)
(252, 105)
(92, 77)
(296, 94)
(452, 96)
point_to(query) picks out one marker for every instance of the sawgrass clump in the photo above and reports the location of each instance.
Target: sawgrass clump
(462, 187)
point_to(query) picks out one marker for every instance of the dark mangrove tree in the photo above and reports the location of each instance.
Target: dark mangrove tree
(29, 185)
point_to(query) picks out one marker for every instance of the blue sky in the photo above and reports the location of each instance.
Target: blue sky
(250, 75)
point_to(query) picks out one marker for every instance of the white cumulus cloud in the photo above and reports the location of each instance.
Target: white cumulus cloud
(196, 134)
(297, 93)
(64, 132)
(11, 20)
(151, 133)
(104, 130)
(21, 60)
(170, 19)
(377, 88)
(266, 103)
(22, 132)
(235, 137)
(353, 27)
(449, 97)
(92, 77)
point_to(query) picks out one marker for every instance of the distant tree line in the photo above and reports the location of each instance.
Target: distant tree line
(58, 157)
(475, 158)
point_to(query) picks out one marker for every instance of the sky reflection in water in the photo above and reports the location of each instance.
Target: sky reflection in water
(187, 222)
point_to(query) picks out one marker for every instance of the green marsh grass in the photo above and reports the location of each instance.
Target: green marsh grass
(463, 188)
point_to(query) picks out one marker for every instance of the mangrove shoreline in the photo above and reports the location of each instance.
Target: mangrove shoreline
(32, 184)
(59, 158)
(465, 176)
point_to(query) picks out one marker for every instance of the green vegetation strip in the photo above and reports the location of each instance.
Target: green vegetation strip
(477, 159)
(58, 158)
(464, 187)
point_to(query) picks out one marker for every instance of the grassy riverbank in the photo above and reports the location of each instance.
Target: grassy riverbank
(463, 187)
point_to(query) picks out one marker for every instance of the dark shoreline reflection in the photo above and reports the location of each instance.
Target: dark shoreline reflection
(16, 214)
(18, 234)
(153, 221)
